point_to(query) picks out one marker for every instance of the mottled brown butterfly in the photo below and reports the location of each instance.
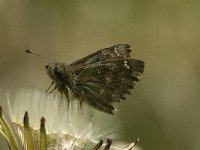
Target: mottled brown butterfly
(99, 79)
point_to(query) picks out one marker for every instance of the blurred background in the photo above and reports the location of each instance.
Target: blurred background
(163, 111)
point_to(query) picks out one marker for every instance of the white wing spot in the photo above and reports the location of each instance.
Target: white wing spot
(126, 64)
(116, 52)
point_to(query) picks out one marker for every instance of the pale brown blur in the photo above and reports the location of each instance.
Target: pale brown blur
(164, 109)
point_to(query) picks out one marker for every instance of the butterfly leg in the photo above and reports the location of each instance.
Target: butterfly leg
(66, 92)
(68, 101)
(53, 89)
(49, 87)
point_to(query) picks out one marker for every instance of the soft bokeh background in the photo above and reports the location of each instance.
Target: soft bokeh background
(164, 109)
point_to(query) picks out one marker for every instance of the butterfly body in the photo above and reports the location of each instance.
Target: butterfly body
(99, 79)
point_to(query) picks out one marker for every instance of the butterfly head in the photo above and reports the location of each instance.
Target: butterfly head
(53, 69)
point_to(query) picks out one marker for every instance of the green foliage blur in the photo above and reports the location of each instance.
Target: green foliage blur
(163, 111)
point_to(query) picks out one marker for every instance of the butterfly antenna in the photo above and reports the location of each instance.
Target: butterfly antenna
(33, 53)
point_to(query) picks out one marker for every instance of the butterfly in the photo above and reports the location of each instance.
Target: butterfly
(99, 79)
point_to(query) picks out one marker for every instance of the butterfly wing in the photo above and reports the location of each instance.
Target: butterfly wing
(104, 82)
(114, 52)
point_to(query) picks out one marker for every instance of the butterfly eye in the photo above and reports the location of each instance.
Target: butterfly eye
(46, 66)
(56, 69)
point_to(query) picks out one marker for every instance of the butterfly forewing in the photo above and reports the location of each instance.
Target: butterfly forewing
(114, 52)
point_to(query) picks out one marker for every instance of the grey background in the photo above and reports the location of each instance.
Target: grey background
(163, 110)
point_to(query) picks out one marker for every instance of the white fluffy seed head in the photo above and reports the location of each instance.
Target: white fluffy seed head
(85, 124)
